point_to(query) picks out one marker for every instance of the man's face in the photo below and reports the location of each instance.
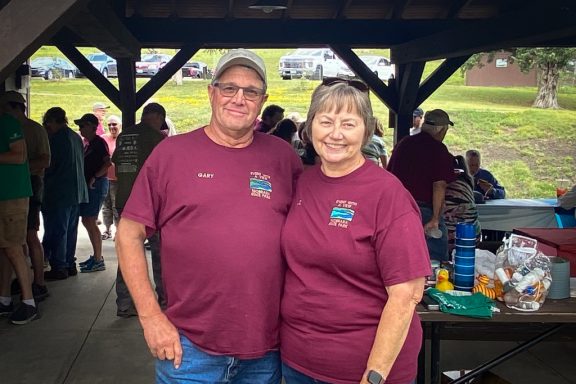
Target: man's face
(473, 164)
(100, 113)
(87, 130)
(235, 115)
(416, 121)
(114, 127)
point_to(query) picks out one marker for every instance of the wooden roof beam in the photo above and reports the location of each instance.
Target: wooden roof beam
(399, 7)
(381, 90)
(341, 10)
(456, 7)
(515, 30)
(82, 63)
(174, 65)
(101, 27)
(24, 29)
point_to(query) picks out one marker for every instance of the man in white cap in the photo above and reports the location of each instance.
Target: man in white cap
(425, 167)
(218, 197)
(100, 109)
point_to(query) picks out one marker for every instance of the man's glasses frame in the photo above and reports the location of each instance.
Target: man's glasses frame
(230, 90)
(359, 85)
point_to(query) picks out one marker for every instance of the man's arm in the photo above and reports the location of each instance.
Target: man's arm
(438, 194)
(160, 334)
(39, 163)
(568, 201)
(16, 153)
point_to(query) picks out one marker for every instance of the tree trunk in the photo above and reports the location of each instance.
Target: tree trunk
(548, 87)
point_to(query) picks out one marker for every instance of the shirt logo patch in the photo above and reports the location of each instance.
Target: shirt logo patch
(342, 214)
(260, 185)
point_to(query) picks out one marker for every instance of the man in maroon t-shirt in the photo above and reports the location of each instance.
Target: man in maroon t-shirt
(219, 196)
(424, 165)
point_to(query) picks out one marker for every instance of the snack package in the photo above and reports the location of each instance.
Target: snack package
(522, 275)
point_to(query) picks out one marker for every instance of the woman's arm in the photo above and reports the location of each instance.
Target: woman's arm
(393, 326)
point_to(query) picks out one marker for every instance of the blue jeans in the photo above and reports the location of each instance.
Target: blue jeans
(199, 367)
(292, 376)
(60, 235)
(437, 248)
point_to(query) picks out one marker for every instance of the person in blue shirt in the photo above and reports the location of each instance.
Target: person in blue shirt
(484, 182)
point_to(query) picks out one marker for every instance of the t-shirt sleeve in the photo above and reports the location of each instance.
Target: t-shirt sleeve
(401, 251)
(145, 199)
(13, 130)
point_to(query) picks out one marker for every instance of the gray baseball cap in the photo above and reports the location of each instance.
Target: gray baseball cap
(242, 57)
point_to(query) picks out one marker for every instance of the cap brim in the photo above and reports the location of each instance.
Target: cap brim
(78, 121)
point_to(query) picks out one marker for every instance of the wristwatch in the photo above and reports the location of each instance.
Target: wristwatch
(375, 378)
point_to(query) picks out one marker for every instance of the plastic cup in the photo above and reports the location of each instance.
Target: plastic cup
(464, 269)
(466, 242)
(465, 231)
(466, 261)
(562, 187)
(434, 233)
(465, 251)
(465, 281)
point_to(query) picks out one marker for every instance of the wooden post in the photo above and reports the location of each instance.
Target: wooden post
(127, 85)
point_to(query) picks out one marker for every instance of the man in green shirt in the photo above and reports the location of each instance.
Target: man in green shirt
(38, 150)
(14, 194)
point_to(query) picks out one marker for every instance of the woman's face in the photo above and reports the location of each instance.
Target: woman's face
(338, 139)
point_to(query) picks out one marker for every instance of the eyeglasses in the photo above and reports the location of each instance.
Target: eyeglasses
(112, 124)
(359, 85)
(230, 90)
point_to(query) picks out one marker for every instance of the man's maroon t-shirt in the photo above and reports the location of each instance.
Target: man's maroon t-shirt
(345, 240)
(420, 160)
(219, 211)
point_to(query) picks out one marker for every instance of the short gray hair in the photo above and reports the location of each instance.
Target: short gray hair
(341, 96)
(433, 129)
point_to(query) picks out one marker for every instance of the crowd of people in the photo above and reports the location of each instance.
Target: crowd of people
(300, 256)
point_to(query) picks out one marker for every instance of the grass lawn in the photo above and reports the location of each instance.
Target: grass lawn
(527, 149)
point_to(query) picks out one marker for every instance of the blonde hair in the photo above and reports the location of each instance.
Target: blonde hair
(341, 96)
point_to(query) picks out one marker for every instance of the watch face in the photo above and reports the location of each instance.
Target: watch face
(375, 378)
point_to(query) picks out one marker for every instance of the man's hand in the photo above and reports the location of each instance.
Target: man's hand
(432, 224)
(162, 338)
(485, 185)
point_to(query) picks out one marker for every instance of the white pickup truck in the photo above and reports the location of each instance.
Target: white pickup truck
(310, 63)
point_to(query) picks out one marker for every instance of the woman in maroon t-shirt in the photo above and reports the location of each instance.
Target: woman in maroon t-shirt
(356, 256)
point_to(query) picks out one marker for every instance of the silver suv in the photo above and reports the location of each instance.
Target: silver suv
(310, 63)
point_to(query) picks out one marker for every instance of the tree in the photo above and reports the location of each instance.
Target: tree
(548, 61)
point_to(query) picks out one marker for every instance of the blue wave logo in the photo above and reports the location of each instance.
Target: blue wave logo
(342, 214)
(261, 185)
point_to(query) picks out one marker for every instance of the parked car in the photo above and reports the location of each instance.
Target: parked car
(52, 68)
(105, 64)
(379, 65)
(151, 63)
(196, 69)
(311, 63)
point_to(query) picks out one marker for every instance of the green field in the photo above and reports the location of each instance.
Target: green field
(527, 149)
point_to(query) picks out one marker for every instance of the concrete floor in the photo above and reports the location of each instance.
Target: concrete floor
(79, 340)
